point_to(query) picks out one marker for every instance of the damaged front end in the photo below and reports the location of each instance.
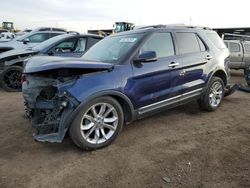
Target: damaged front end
(46, 85)
(49, 105)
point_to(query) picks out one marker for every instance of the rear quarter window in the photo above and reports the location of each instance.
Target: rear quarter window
(247, 48)
(216, 40)
(234, 47)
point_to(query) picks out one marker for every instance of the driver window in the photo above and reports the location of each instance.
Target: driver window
(161, 43)
(66, 46)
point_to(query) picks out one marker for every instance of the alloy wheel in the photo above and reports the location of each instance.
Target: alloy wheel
(12, 79)
(99, 123)
(215, 95)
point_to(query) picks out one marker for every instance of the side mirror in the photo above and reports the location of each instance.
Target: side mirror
(146, 57)
(26, 41)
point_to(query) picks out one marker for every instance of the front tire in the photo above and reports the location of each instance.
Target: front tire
(11, 79)
(98, 124)
(214, 95)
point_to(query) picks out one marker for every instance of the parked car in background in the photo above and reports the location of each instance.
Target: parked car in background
(30, 39)
(122, 78)
(6, 36)
(66, 45)
(239, 55)
(20, 33)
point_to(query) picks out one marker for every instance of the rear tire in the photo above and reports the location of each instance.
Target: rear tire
(98, 124)
(214, 95)
(11, 79)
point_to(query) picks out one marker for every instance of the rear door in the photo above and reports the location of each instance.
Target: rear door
(194, 57)
(154, 83)
(236, 54)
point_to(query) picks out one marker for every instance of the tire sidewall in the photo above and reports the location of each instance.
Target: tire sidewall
(75, 131)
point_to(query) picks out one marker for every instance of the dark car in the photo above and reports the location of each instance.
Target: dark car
(67, 45)
(122, 78)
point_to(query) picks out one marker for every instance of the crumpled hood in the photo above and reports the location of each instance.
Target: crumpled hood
(45, 63)
(16, 53)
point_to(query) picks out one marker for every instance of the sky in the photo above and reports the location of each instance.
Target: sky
(81, 15)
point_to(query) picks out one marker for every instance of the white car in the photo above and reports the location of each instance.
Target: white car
(6, 36)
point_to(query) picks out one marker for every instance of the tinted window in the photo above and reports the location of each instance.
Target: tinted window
(234, 47)
(39, 37)
(188, 43)
(247, 47)
(161, 43)
(216, 40)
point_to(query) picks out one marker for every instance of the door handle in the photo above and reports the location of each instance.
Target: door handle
(208, 57)
(173, 64)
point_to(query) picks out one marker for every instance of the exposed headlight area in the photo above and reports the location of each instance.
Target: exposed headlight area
(48, 106)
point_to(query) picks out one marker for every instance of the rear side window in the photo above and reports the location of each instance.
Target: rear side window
(247, 48)
(161, 43)
(189, 43)
(216, 40)
(234, 47)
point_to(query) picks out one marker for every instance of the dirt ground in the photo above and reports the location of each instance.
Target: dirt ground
(184, 146)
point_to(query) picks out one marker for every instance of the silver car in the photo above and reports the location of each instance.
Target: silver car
(30, 39)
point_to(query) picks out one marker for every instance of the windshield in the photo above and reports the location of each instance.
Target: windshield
(112, 49)
(49, 42)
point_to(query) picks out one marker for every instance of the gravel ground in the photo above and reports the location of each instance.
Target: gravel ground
(182, 147)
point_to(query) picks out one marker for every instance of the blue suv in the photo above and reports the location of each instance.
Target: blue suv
(122, 78)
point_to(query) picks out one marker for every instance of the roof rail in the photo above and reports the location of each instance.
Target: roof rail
(173, 25)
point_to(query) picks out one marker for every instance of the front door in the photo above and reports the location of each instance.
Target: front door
(155, 84)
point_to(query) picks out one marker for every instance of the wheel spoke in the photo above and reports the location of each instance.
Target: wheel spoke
(97, 135)
(110, 120)
(108, 112)
(103, 134)
(102, 110)
(94, 111)
(90, 132)
(87, 127)
(91, 119)
(105, 125)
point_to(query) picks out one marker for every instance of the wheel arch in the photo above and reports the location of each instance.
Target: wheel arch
(221, 74)
(124, 101)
